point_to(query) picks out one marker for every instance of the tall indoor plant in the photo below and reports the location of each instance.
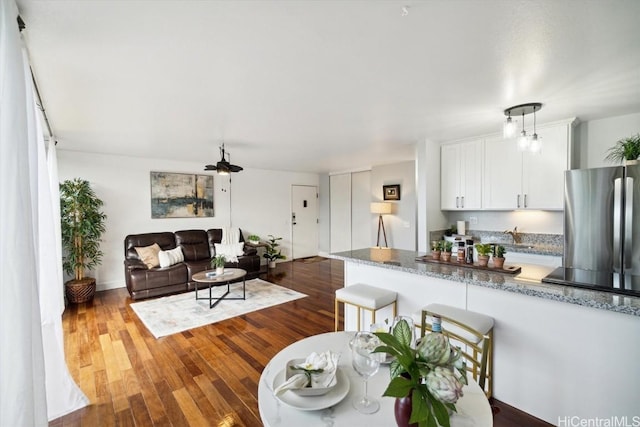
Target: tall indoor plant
(272, 253)
(83, 224)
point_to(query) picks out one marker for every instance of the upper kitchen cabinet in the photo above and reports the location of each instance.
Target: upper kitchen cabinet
(461, 175)
(525, 180)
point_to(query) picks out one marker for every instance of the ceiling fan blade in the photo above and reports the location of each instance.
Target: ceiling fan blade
(235, 168)
(209, 168)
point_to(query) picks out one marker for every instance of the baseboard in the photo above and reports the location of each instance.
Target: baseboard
(105, 286)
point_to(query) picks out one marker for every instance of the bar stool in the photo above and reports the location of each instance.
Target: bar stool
(365, 297)
(474, 330)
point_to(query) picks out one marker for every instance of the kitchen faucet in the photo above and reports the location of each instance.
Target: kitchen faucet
(514, 234)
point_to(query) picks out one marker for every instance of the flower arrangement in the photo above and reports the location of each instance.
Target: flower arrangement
(433, 374)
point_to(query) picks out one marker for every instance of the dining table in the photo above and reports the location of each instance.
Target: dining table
(335, 408)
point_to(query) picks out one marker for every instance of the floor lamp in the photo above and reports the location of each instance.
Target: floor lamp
(381, 208)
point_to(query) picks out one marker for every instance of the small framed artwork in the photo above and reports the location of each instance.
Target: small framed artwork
(391, 192)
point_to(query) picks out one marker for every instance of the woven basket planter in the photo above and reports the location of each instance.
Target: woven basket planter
(79, 291)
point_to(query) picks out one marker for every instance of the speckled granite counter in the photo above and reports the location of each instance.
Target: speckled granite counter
(527, 282)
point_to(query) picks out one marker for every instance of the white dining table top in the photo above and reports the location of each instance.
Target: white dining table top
(472, 409)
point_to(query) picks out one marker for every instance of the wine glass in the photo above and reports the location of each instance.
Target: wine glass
(366, 363)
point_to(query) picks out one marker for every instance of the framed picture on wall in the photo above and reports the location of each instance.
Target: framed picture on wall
(391, 192)
(181, 195)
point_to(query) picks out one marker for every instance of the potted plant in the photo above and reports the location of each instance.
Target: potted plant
(446, 254)
(426, 381)
(484, 250)
(82, 225)
(272, 253)
(218, 262)
(254, 239)
(625, 150)
(498, 257)
(436, 249)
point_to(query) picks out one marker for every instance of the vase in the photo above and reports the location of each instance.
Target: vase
(402, 411)
(483, 260)
(435, 255)
(219, 271)
(446, 256)
(272, 264)
(630, 162)
(498, 262)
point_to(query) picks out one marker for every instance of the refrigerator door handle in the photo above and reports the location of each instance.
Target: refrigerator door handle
(617, 217)
(628, 223)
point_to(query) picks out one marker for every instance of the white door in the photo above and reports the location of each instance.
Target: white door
(304, 221)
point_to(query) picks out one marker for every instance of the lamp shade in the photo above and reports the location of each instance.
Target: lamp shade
(380, 208)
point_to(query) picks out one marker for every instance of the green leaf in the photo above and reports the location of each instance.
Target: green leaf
(403, 333)
(440, 411)
(399, 387)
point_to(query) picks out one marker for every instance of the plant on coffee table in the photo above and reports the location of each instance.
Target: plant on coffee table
(218, 262)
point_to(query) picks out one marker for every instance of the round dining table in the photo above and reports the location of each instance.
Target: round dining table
(335, 409)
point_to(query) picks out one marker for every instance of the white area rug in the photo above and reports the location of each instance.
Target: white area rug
(177, 313)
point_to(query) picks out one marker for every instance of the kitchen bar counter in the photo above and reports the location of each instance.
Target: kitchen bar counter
(527, 282)
(559, 351)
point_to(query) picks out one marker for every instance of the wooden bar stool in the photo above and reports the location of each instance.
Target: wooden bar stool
(365, 297)
(473, 330)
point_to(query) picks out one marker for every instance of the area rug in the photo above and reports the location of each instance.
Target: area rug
(177, 313)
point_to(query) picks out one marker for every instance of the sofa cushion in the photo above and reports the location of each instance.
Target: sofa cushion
(194, 244)
(170, 257)
(149, 255)
(231, 251)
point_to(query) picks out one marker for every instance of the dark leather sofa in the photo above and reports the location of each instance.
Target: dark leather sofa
(198, 247)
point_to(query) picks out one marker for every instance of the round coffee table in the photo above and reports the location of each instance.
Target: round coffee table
(211, 279)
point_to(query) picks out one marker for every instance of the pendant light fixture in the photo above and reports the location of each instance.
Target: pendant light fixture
(524, 141)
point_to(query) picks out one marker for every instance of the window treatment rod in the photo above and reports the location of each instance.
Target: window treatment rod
(39, 103)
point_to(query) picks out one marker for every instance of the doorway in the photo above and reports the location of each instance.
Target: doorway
(304, 221)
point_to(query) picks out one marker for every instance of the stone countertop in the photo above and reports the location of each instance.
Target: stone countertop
(527, 282)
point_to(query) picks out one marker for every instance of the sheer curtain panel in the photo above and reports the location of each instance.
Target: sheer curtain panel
(35, 384)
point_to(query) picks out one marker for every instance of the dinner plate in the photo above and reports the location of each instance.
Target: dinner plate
(314, 403)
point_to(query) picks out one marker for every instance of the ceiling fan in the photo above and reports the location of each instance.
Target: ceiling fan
(223, 167)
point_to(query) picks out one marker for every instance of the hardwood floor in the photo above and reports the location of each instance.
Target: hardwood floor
(207, 376)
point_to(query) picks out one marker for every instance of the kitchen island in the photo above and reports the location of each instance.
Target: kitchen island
(560, 351)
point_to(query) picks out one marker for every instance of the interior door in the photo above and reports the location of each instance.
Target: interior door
(304, 221)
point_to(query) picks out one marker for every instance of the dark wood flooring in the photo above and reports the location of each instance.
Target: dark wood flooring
(203, 377)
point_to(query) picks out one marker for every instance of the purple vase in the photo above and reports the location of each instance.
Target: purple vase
(402, 411)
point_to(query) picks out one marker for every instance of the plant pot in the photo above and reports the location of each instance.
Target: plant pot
(498, 262)
(254, 242)
(435, 255)
(483, 260)
(79, 291)
(272, 264)
(631, 162)
(219, 271)
(446, 256)
(402, 411)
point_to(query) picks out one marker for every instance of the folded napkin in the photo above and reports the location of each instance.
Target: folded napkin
(317, 371)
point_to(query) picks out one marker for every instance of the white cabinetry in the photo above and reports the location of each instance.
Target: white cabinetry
(524, 180)
(461, 175)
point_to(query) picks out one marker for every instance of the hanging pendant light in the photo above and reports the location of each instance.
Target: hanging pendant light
(535, 146)
(509, 127)
(524, 142)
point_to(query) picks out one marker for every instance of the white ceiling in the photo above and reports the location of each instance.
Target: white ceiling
(321, 86)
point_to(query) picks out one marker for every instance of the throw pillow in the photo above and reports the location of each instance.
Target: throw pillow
(149, 255)
(231, 251)
(170, 257)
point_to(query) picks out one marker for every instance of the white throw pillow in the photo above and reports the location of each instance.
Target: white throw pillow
(231, 251)
(170, 257)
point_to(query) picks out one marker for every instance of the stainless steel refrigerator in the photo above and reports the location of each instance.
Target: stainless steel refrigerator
(601, 230)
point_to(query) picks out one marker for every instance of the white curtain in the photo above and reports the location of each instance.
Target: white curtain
(35, 385)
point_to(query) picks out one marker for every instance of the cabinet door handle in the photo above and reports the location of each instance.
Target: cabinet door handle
(518, 204)
(462, 202)
(457, 200)
(525, 200)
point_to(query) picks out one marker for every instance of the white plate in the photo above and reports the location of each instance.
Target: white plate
(314, 403)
